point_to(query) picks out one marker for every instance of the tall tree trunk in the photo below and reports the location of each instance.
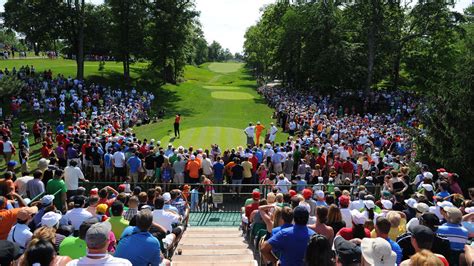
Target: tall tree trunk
(370, 56)
(126, 69)
(396, 68)
(80, 39)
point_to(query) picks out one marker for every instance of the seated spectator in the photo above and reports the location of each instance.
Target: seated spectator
(318, 252)
(93, 202)
(454, 231)
(357, 230)
(75, 247)
(141, 247)
(35, 186)
(97, 240)
(78, 214)
(377, 251)
(382, 229)
(132, 208)
(424, 257)
(320, 227)
(9, 252)
(41, 252)
(20, 233)
(116, 220)
(422, 239)
(51, 220)
(344, 202)
(290, 242)
(162, 217)
(347, 252)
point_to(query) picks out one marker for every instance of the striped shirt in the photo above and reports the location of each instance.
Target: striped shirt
(456, 234)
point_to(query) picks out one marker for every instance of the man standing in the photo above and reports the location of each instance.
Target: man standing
(72, 175)
(290, 242)
(249, 132)
(273, 133)
(134, 164)
(177, 119)
(118, 160)
(258, 130)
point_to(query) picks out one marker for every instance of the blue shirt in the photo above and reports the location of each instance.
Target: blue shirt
(218, 171)
(108, 160)
(140, 248)
(279, 228)
(443, 194)
(134, 163)
(456, 234)
(397, 249)
(291, 243)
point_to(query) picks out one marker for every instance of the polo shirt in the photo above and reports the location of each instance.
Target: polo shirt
(73, 247)
(247, 166)
(119, 159)
(140, 248)
(72, 176)
(134, 163)
(218, 171)
(54, 185)
(21, 235)
(7, 220)
(193, 168)
(279, 228)
(291, 243)
(77, 216)
(397, 249)
(107, 260)
(118, 225)
(165, 219)
(456, 234)
(35, 187)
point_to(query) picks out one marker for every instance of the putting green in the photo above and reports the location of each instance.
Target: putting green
(225, 67)
(222, 87)
(228, 95)
(226, 137)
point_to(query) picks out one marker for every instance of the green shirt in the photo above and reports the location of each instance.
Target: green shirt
(52, 187)
(73, 247)
(118, 225)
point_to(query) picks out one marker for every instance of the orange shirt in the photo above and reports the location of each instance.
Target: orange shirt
(193, 168)
(259, 129)
(7, 220)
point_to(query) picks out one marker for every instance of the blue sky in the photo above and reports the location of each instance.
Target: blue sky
(227, 20)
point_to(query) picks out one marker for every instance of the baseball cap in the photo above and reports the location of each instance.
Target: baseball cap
(166, 196)
(307, 193)
(369, 204)
(9, 252)
(422, 234)
(369, 178)
(255, 195)
(387, 204)
(344, 200)
(357, 217)
(11, 164)
(319, 194)
(26, 213)
(101, 208)
(430, 219)
(79, 201)
(410, 202)
(441, 170)
(50, 219)
(454, 214)
(47, 200)
(346, 251)
(444, 204)
(421, 207)
(428, 175)
(121, 187)
(300, 212)
(292, 192)
(98, 235)
(377, 251)
(427, 187)
(320, 179)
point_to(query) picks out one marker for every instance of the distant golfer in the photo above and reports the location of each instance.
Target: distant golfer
(177, 119)
(249, 132)
(258, 131)
(273, 133)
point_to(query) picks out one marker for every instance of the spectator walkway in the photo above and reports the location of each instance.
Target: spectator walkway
(213, 246)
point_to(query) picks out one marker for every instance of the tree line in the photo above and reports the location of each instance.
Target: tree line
(422, 46)
(165, 33)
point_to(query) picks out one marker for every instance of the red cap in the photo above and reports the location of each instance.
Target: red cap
(256, 195)
(440, 170)
(292, 192)
(307, 193)
(344, 200)
(94, 191)
(121, 187)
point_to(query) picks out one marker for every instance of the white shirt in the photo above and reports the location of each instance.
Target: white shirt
(206, 166)
(357, 205)
(20, 184)
(283, 185)
(72, 176)
(413, 222)
(22, 235)
(7, 146)
(119, 159)
(165, 219)
(107, 260)
(77, 216)
(250, 131)
(347, 217)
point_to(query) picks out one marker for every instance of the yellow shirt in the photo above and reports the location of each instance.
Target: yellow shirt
(247, 169)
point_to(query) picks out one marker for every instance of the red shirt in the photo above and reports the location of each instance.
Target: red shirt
(250, 208)
(347, 233)
(347, 167)
(320, 160)
(177, 119)
(254, 161)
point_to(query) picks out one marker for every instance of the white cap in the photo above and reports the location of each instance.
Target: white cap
(444, 204)
(320, 179)
(469, 210)
(428, 175)
(50, 219)
(387, 204)
(410, 202)
(427, 187)
(377, 251)
(319, 194)
(47, 200)
(166, 196)
(369, 178)
(192, 157)
(331, 179)
(357, 217)
(422, 207)
(369, 204)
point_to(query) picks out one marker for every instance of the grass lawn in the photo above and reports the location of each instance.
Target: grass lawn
(216, 101)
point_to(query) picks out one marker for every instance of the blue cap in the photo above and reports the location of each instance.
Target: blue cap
(11, 163)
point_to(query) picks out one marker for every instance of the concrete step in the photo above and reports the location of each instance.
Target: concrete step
(212, 235)
(216, 229)
(186, 263)
(207, 246)
(213, 258)
(213, 241)
(217, 252)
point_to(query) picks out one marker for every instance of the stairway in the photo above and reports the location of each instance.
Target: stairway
(213, 246)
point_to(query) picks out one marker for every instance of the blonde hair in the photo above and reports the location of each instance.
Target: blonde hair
(425, 258)
(394, 218)
(279, 197)
(45, 233)
(277, 217)
(346, 193)
(271, 197)
(405, 170)
(334, 214)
